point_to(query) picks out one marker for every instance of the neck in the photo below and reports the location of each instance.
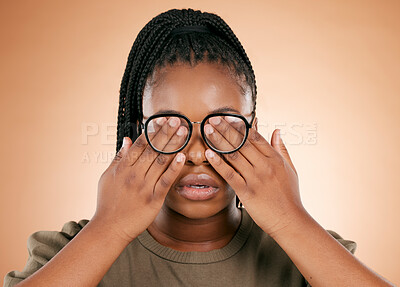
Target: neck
(176, 231)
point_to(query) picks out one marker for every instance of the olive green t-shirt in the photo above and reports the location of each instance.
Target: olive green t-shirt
(251, 258)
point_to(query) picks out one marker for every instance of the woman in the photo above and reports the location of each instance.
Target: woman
(188, 150)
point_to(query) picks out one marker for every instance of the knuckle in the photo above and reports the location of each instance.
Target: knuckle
(143, 157)
(140, 142)
(233, 156)
(249, 191)
(279, 162)
(217, 140)
(118, 156)
(269, 171)
(164, 182)
(148, 152)
(246, 145)
(147, 199)
(225, 129)
(230, 175)
(164, 131)
(284, 149)
(131, 157)
(174, 169)
(161, 159)
(255, 136)
(260, 172)
(130, 179)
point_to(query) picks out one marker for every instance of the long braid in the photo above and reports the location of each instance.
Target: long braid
(137, 79)
(155, 47)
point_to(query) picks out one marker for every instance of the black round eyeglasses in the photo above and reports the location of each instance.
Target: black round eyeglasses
(230, 132)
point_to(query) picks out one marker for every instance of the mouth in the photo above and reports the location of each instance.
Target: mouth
(197, 187)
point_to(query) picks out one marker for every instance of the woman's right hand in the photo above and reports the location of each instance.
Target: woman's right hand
(131, 191)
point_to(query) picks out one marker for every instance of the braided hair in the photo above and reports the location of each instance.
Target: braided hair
(155, 47)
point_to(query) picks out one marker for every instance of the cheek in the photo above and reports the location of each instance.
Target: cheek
(229, 191)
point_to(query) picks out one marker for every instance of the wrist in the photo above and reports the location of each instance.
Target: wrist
(108, 231)
(298, 221)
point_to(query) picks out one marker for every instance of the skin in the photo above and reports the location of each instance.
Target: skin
(136, 192)
(183, 224)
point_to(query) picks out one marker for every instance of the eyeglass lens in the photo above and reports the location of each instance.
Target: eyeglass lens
(229, 133)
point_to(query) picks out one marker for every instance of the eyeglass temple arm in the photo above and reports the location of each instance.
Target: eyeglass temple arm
(252, 119)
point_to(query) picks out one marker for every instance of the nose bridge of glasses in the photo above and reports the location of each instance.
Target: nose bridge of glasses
(194, 129)
(195, 133)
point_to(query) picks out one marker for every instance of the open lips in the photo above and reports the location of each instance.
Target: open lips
(197, 187)
(197, 181)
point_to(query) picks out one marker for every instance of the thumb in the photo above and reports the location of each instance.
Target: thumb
(279, 145)
(126, 144)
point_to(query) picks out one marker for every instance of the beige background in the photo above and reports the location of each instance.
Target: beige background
(327, 73)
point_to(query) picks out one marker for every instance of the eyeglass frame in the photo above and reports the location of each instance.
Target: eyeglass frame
(202, 123)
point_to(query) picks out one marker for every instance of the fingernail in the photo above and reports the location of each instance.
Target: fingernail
(180, 157)
(231, 119)
(280, 136)
(173, 122)
(209, 129)
(215, 120)
(160, 120)
(209, 153)
(180, 131)
(124, 141)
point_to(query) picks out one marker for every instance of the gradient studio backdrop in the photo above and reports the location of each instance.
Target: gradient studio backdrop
(327, 73)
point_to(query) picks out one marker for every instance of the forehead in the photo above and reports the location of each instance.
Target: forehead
(195, 91)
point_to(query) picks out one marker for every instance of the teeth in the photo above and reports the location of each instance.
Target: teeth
(198, 186)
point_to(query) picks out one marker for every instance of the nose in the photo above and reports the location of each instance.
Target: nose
(196, 147)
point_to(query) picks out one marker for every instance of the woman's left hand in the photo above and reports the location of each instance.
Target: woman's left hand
(262, 175)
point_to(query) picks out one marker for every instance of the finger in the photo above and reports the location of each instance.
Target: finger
(155, 125)
(236, 181)
(141, 142)
(166, 180)
(233, 130)
(134, 151)
(279, 145)
(177, 140)
(261, 143)
(239, 162)
(163, 160)
(255, 138)
(159, 141)
(126, 143)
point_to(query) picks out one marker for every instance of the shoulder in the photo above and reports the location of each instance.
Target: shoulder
(71, 228)
(349, 244)
(42, 246)
(45, 244)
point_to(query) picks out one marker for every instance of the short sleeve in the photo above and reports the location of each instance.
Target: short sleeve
(42, 246)
(348, 244)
